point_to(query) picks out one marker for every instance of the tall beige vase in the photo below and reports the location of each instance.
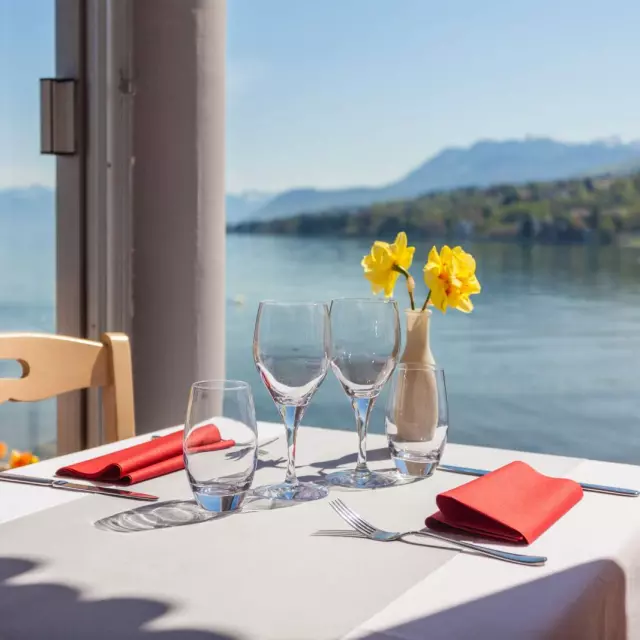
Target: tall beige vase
(417, 392)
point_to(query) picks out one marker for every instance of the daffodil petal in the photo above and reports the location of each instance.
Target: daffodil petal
(434, 257)
(464, 304)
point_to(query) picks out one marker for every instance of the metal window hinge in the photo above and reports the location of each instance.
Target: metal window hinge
(58, 111)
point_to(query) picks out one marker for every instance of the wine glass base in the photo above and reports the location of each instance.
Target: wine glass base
(300, 492)
(361, 480)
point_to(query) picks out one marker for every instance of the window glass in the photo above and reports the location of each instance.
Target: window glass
(509, 128)
(27, 207)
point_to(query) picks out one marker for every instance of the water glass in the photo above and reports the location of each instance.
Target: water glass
(220, 472)
(291, 351)
(417, 419)
(365, 334)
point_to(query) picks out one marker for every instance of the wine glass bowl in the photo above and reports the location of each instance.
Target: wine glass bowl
(362, 376)
(291, 378)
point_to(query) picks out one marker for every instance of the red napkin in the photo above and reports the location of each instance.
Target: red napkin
(148, 460)
(514, 503)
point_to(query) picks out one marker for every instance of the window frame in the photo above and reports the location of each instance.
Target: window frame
(70, 34)
(93, 194)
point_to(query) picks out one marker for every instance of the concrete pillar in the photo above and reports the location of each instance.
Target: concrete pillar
(178, 203)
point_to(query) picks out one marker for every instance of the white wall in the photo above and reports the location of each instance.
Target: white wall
(178, 203)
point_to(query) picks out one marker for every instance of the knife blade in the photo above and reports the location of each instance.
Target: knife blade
(586, 486)
(76, 486)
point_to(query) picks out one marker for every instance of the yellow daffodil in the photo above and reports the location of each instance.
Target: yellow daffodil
(386, 262)
(451, 278)
(21, 459)
(3, 450)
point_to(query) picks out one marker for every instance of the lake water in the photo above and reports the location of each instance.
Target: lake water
(548, 361)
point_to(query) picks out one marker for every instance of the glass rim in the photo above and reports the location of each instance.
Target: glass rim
(372, 300)
(293, 303)
(220, 384)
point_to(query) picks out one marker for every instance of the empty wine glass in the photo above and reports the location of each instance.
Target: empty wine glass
(291, 351)
(365, 342)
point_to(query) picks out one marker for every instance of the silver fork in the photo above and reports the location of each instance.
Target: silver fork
(374, 533)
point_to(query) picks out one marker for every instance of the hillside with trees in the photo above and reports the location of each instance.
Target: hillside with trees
(562, 211)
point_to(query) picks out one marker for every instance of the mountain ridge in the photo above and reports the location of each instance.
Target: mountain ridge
(482, 164)
(485, 163)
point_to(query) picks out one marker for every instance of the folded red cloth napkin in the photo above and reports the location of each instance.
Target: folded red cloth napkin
(148, 460)
(514, 503)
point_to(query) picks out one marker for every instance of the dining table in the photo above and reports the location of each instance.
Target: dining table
(74, 565)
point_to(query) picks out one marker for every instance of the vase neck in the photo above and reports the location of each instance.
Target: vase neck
(417, 347)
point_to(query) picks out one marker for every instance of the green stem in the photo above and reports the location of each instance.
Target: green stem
(407, 275)
(426, 302)
(413, 303)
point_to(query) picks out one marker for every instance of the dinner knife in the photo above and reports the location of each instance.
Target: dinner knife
(75, 486)
(596, 488)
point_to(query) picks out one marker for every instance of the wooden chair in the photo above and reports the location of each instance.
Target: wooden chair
(52, 365)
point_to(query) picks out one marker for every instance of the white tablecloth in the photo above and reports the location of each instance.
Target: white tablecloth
(262, 588)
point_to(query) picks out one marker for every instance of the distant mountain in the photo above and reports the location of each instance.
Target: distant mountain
(38, 200)
(26, 201)
(621, 169)
(242, 206)
(484, 164)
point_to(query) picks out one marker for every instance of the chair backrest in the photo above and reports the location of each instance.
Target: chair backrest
(52, 365)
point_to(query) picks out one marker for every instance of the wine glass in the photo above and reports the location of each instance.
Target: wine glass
(365, 342)
(291, 350)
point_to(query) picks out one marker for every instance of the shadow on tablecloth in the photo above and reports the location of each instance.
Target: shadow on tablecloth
(177, 513)
(373, 455)
(586, 602)
(52, 611)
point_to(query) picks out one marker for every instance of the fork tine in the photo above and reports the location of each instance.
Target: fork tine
(344, 515)
(352, 518)
(357, 517)
(354, 523)
(353, 515)
(349, 519)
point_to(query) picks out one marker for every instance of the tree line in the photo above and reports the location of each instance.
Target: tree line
(562, 211)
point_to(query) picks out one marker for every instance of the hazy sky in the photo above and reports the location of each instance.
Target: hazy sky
(26, 55)
(340, 92)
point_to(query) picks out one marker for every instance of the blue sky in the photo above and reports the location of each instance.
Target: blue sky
(331, 93)
(26, 55)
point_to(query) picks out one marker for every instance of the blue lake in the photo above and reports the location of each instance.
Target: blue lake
(548, 361)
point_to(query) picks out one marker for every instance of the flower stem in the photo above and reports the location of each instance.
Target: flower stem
(411, 283)
(426, 302)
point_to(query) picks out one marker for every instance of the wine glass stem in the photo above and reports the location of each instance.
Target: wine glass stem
(362, 408)
(291, 416)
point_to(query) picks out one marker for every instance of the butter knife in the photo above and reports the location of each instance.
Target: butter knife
(76, 486)
(596, 488)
